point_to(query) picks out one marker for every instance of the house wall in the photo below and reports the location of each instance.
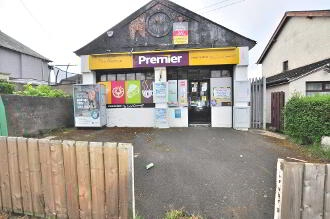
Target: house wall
(299, 85)
(302, 41)
(22, 65)
(10, 62)
(269, 91)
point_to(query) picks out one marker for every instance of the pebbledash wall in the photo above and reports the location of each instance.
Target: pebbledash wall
(29, 115)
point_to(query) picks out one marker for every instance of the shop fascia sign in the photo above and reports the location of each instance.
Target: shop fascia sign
(161, 59)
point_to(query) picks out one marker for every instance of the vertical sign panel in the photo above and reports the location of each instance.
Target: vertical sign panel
(172, 92)
(180, 33)
(133, 92)
(160, 92)
(182, 92)
(146, 91)
(118, 92)
(107, 85)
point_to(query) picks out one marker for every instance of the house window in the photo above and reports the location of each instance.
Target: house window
(313, 88)
(286, 65)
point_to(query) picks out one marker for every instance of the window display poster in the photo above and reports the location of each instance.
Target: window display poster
(118, 92)
(161, 118)
(173, 92)
(107, 85)
(160, 92)
(177, 113)
(182, 92)
(221, 94)
(146, 91)
(132, 92)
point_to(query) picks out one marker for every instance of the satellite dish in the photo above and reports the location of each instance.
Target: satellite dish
(110, 33)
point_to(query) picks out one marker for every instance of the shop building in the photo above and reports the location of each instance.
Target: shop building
(166, 66)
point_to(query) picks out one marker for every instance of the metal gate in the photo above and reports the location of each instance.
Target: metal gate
(277, 105)
(258, 94)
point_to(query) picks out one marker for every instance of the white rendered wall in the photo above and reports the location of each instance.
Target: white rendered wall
(242, 95)
(88, 76)
(130, 117)
(302, 41)
(221, 116)
(178, 122)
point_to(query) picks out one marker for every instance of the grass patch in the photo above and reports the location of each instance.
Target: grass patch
(179, 214)
(316, 151)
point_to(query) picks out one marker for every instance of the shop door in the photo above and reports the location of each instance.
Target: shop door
(199, 110)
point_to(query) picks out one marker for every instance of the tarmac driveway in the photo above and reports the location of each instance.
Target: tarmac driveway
(213, 172)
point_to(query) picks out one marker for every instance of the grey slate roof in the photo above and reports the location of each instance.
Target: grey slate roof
(12, 44)
(287, 76)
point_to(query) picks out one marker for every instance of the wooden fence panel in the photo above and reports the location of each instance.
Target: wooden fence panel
(97, 179)
(4, 179)
(47, 182)
(35, 178)
(71, 178)
(56, 154)
(83, 170)
(313, 192)
(16, 194)
(327, 194)
(23, 159)
(55, 179)
(111, 180)
(123, 180)
(292, 173)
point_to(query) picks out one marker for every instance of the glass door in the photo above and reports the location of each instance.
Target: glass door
(199, 111)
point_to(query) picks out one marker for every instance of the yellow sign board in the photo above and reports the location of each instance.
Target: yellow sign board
(98, 62)
(214, 57)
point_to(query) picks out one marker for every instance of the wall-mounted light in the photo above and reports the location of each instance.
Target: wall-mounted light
(110, 33)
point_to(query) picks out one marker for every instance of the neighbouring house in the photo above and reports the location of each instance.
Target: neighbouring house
(166, 66)
(297, 58)
(20, 64)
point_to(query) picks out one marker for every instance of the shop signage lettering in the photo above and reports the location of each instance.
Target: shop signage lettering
(142, 105)
(161, 59)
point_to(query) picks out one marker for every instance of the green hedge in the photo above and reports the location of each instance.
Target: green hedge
(6, 87)
(41, 91)
(307, 119)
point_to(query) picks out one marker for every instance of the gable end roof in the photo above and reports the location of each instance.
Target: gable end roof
(287, 76)
(168, 4)
(286, 17)
(12, 44)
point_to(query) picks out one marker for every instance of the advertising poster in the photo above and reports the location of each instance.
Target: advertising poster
(118, 92)
(161, 118)
(220, 95)
(147, 91)
(160, 92)
(182, 92)
(180, 33)
(177, 114)
(173, 92)
(107, 85)
(87, 105)
(132, 92)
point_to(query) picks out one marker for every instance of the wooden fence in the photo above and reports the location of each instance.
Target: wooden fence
(302, 191)
(277, 107)
(258, 95)
(69, 179)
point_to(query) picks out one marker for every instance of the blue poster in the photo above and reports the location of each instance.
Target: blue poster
(177, 113)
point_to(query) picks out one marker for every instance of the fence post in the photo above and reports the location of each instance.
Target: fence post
(264, 96)
(4, 179)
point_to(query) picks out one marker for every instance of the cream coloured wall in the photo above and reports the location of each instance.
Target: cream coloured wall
(299, 85)
(302, 41)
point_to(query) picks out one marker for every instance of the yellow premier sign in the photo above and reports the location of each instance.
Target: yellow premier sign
(214, 56)
(118, 61)
(211, 56)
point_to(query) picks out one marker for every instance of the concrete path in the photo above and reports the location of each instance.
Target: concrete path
(213, 172)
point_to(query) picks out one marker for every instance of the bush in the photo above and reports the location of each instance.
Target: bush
(6, 87)
(307, 119)
(41, 91)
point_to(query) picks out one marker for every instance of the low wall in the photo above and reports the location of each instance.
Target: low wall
(27, 115)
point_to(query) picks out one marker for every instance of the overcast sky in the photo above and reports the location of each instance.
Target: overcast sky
(56, 28)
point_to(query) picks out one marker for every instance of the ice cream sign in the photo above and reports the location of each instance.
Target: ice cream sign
(161, 59)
